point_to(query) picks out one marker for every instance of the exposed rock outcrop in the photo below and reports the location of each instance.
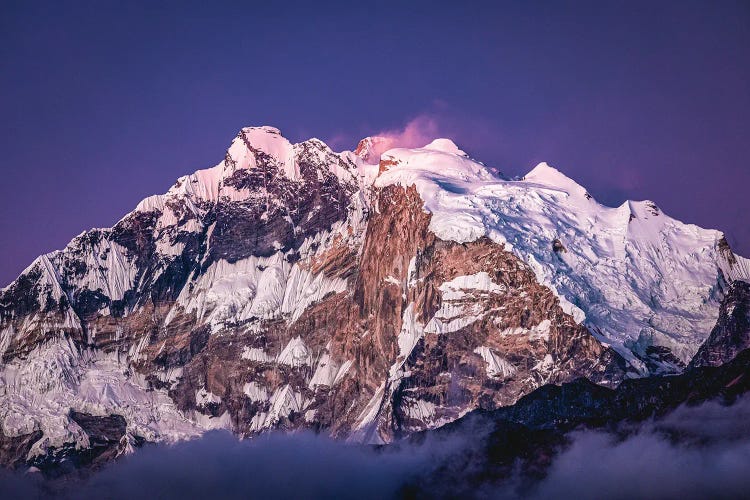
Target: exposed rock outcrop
(731, 335)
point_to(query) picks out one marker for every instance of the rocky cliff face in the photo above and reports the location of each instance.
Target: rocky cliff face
(363, 296)
(731, 335)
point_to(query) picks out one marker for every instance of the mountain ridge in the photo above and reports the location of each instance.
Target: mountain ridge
(291, 287)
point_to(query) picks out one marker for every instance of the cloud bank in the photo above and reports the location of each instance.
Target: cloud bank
(693, 453)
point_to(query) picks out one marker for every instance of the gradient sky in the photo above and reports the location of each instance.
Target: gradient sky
(104, 103)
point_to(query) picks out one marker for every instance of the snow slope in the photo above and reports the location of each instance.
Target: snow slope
(635, 276)
(36, 393)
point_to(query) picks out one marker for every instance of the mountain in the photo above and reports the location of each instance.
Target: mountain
(367, 295)
(731, 335)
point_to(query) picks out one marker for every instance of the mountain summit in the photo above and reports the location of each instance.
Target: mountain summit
(367, 294)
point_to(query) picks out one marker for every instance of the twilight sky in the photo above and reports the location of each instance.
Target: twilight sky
(104, 103)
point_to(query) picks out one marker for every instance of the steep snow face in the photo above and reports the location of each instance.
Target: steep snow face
(110, 270)
(635, 276)
(496, 365)
(256, 287)
(268, 141)
(208, 185)
(38, 392)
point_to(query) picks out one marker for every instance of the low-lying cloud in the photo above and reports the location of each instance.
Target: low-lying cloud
(271, 466)
(695, 452)
(692, 453)
(647, 465)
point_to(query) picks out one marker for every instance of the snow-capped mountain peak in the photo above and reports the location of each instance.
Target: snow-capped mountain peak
(370, 293)
(446, 146)
(261, 144)
(546, 175)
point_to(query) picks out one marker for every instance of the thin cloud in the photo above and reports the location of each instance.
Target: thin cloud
(416, 133)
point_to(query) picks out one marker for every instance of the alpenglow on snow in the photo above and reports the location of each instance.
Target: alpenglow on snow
(367, 295)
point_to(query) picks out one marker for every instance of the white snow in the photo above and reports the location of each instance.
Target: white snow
(110, 270)
(256, 287)
(328, 373)
(631, 273)
(325, 372)
(255, 354)
(284, 401)
(392, 280)
(411, 331)
(343, 371)
(365, 430)
(497, 366)
(295, 354)
(209, 422)
(268, 140)
(546, 364)
(204, 397)
(255, 391)
(538, 332)
(419, 409)
(49, 284)
(445, 146)
(37, 393)
(459, 307)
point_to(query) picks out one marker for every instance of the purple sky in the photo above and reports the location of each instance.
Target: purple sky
(104, 103)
